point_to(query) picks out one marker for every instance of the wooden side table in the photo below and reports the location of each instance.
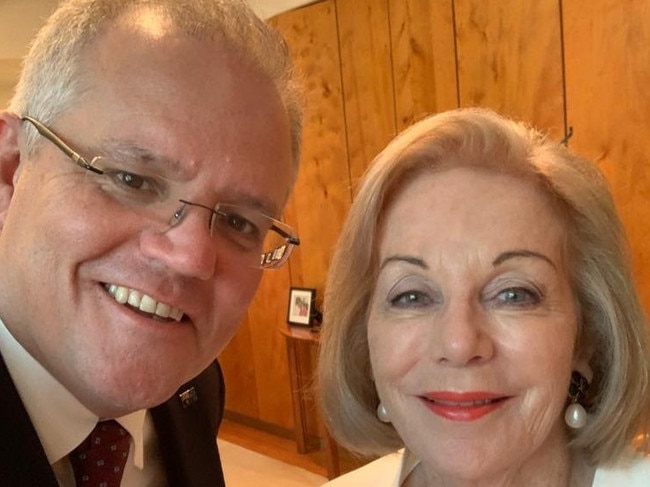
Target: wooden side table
(299, 380)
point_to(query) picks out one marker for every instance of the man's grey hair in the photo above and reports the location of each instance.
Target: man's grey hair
(52, 78)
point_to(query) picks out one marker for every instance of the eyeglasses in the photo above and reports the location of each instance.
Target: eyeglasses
(257, 239)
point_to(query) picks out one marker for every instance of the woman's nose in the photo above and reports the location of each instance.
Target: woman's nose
(462, 335)
(186, 248)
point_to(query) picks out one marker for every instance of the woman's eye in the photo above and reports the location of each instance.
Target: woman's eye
(410, 299)
(517, 296)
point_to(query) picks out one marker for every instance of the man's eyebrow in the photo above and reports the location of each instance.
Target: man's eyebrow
(514, 254)
(416, 261)
(253, 202)
(127, 150)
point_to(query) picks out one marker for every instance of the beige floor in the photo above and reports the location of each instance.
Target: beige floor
(246, 468)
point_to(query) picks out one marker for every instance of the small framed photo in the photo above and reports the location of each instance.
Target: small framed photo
(301, 303)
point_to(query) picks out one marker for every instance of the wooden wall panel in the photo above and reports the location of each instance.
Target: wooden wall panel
(367, 74)
(607, 45)
(424, 64)
(320, 202)
(321, 197)
(239, 373)
(266, 315)
(510, 59)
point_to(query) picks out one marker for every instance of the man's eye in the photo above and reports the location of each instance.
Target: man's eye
(238, 229)
(130, 179)
(127, 184)
(240, 224)
(236, 223)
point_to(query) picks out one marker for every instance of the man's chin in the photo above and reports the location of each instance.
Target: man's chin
(114, 404)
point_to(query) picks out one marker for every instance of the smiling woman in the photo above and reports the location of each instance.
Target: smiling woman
(480, 288)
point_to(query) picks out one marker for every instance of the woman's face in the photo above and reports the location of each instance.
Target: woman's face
(473, 323)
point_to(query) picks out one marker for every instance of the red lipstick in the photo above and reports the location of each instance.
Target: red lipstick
(463, 406)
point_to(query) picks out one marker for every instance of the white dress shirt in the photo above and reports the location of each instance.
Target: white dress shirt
(62, 422)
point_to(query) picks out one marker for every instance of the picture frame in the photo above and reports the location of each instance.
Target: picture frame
(301, 306)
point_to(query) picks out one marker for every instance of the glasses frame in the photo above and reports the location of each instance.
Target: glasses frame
(281, 228)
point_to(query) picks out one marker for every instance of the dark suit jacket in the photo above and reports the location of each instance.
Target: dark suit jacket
(186, 435)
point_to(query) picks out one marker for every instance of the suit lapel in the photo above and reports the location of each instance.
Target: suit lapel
(186, 426)
(186, 433)
(22, 458)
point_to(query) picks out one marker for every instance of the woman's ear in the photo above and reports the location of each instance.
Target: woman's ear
(582, 361)
(10, 125)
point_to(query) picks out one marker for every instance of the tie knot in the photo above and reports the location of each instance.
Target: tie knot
(99, 460)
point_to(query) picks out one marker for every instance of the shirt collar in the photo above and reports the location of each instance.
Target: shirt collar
(60, 420)
(408, 464)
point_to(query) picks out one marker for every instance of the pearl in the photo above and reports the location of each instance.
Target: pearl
(382, 413)
(575, 416)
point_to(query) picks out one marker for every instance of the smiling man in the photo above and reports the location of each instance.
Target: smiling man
(144, 162)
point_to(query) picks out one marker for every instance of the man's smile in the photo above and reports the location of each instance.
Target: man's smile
(143, 302)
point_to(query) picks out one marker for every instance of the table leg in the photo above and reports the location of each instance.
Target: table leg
(332, 456)
(300, 426)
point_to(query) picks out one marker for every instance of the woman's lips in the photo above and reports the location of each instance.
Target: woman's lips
(465, 406)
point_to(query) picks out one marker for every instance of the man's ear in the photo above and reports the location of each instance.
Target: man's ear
(10, 125)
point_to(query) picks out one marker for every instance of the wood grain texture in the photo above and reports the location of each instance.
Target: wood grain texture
(239, 373)
(367, 76)
(317, 209)
(424, 64)
(608, 102)
(322, 195)
(510, 59)
(267, 313)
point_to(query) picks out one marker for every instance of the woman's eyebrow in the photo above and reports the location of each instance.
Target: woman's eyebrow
(514, 254)
(416, 261)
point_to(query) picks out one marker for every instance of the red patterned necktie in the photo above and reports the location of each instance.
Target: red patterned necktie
(99, 460)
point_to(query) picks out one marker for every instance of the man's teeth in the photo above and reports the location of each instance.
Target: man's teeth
(147, 304)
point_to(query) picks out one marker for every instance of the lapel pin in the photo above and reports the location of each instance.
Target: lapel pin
(188, 397)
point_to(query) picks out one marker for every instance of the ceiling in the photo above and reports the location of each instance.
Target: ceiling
(20, 19)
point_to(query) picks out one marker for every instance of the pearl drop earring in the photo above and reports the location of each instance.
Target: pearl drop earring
(382, 413)
(575, 415)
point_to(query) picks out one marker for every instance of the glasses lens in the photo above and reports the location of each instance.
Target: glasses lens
(136, 184)
(254, 233)
(276, 250)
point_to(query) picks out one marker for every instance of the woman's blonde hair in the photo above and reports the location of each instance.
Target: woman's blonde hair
(612, 323)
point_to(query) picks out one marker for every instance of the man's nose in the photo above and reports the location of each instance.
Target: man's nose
(186, 248)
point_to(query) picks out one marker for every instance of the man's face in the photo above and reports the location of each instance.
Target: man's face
(163, 98)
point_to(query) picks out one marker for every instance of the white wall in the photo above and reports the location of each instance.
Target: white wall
(269, 8)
